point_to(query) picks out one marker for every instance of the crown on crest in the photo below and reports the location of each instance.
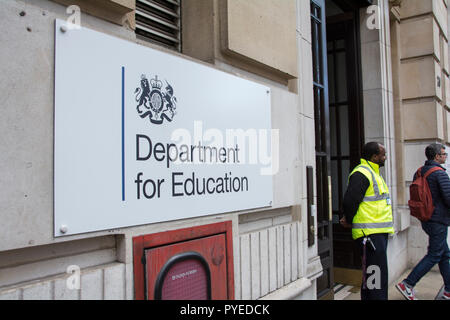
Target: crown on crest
(155, 83)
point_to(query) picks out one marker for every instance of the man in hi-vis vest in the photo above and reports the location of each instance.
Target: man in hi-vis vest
(367, 205)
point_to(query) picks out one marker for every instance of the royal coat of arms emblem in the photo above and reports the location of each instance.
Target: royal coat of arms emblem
(154, 102)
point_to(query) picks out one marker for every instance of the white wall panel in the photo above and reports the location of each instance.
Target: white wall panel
(269, 259)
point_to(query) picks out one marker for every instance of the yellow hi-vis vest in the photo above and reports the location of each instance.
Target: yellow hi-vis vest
(374, 213)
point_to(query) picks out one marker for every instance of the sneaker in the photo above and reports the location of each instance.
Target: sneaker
(406, 291)
(446, 295)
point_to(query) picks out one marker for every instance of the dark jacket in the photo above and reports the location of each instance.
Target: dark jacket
(439, 184)
(356, 190)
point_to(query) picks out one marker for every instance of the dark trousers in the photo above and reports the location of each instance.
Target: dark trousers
(377, 276)
(438, 253)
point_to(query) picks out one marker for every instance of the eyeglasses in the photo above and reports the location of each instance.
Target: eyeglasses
(443, 154)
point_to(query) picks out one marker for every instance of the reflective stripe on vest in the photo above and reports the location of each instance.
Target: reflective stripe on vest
(376, 189)
(376, 225)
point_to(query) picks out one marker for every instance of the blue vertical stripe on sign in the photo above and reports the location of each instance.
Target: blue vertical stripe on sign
(123, 133)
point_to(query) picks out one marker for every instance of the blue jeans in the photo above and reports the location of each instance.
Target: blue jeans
(438, 252)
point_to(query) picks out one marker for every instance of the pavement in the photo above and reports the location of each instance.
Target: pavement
(426, 289)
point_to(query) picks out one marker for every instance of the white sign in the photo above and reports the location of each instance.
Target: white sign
(143, 136)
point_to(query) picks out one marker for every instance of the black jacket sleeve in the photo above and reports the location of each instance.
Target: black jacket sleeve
(444, 186)
(357, 187)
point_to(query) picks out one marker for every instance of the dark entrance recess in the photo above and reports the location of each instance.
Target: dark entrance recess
(338, 129)
(346, 126)
(187, 264)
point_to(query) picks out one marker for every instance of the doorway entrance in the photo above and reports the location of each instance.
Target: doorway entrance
(339, 132)
(346, 128)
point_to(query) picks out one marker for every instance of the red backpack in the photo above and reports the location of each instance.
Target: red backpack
(421, 202)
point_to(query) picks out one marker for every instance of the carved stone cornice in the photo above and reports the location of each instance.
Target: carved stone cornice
(394, 6)
(395, 3)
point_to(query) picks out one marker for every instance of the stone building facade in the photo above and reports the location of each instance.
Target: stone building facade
(340, 73)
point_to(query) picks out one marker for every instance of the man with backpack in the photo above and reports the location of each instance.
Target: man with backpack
(435, 219)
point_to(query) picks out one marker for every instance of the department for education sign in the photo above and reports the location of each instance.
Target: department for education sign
(143, 136)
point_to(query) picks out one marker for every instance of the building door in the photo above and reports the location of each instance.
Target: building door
(322, 139)
(346, 128)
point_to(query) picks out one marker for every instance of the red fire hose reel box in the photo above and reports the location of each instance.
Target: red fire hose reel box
(187, 264)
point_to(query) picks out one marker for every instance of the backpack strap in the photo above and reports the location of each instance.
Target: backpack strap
(430, 171)
(419, 172)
